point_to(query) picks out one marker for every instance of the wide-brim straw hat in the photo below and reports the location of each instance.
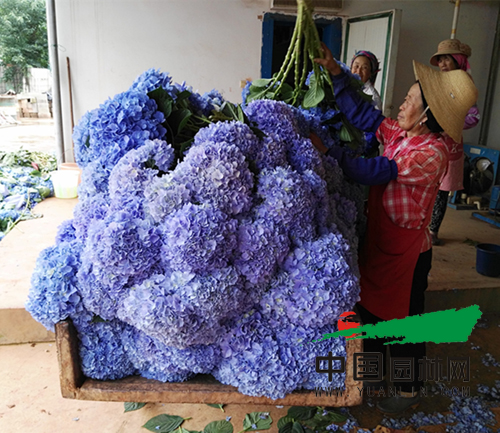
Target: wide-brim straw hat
(450, 46)
(449, 95)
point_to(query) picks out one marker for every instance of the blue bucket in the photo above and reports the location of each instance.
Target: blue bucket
(488, 259)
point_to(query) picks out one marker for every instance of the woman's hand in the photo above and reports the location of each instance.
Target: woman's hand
(318, 143)
(328, 62)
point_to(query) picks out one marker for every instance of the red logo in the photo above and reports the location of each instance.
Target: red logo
(347, 321)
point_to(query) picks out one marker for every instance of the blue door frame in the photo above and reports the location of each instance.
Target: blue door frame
(332, 37)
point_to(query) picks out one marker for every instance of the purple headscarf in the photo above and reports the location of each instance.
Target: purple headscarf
(375, 66)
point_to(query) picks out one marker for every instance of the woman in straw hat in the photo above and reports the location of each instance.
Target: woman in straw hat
(451, 55)
(395, 258)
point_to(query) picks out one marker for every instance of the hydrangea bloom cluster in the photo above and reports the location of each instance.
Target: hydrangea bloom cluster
(226, 257)
(20, 191)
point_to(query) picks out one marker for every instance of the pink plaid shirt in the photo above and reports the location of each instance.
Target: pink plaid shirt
(422, 162)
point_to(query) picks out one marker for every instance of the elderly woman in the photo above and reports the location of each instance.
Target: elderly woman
(396, 256)
(451, 55)
(366, 65)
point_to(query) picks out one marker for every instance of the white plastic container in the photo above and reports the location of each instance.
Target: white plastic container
(65, 183)
(71, 166)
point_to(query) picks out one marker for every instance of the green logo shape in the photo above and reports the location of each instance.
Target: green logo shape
(448, 326)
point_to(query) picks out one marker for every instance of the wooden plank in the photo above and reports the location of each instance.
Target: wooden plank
(70, 372)
(200, 389)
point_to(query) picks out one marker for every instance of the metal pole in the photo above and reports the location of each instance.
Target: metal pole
(56, 85)
(490, 88)
(455, 20)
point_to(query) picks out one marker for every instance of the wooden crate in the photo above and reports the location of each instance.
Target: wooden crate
(200, 389)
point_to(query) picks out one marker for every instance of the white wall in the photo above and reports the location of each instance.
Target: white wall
(216, 43)
(207, 43)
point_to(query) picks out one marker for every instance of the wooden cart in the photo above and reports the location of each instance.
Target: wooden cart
(200, 389)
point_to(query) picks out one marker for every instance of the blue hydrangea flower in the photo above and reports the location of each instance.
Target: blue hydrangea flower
(54, 293)
(153, 79)
(254, 362)
(95, 207)
(287, 202)
(198, 238)
(182, 309)
(232, 133)
(164, 195)
(154, 360)
(315, 286)
(136, 170)
(102, 353)
(274, 117)
(218, 174)
(262, 247)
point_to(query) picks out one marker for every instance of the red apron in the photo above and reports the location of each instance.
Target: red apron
(387, 260)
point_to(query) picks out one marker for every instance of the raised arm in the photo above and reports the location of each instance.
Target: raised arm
(358, 111)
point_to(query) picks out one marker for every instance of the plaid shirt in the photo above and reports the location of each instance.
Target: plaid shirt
(422, 162)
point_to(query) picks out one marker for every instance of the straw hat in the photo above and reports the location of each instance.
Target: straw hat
(451, 46)
(450, 95)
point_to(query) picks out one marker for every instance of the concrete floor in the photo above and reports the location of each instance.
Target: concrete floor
(30, 133)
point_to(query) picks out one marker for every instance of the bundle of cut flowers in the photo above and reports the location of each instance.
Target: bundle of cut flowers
(209, 238)
(24, 182)
(225, 253)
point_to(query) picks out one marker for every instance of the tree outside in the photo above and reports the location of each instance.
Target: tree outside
(23, 40)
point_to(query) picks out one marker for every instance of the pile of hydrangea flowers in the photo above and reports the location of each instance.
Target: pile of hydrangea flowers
(228, 256)
(21, 188)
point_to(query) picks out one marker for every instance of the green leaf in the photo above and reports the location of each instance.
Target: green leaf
(285, 420)
(178, 120)
(297, 427)
(320, 421)
(183, 430)
(301, 413)
(185, 94)
(344, 134)
(218, 406)
(164, 423)
(286, 428)
(241, 114)
(221, 426)
(257, 421)
(262, 82)
(43, 191)
(130, 407)
(313, 96)
(163, 100)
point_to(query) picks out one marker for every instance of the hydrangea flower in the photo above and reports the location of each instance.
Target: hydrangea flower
(218, 174)
(137, 169)
(227, 262)
(315, 286)
(54, 293)
(261, 248)
(169, 307)
(102, 353)
(154, 360)
(198, 238)
(287, 202)
(254, 362)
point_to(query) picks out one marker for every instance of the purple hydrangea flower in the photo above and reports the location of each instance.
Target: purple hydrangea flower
(198, 238)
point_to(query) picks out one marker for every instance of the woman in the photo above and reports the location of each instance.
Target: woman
(396, 255)
(450, 56)
(366, 65)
